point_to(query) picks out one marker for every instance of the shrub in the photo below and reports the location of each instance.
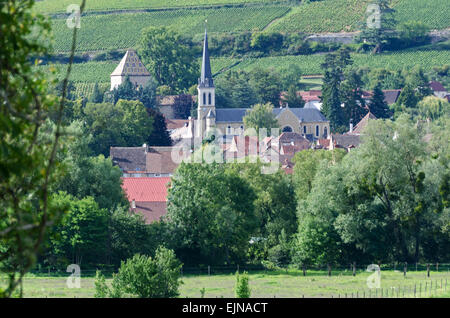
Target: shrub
(144, 277)
(242, 289)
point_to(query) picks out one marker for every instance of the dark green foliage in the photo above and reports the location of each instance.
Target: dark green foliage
(168, 59)
(210, 214)
(81, 236)
(378, 105)
(159, 134)
(144, 277)
(183, 105)
(242, 288)
(97, 96)
(125, 124)
(292, 99)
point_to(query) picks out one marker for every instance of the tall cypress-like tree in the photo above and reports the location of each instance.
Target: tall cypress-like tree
(352, 97)
(292, 99)
(408, 97)
(97, 96)
(378, 105)
(334, 66)
(160, 135)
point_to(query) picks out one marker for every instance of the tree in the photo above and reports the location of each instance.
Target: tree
(159, 134)
(306, 165)
(82, 234)
(408, 97)
(125, 124)
(379, 25)
(168, 59)
(28, 165)
(183, 104)
(378, 105)
(87, 175)
(97, 96)
(334, 67)
(210, 214)
(352, 98)
(129, 235)
(266, 85)
(433, 107)
(145, 277)
(292, 100)
(261, 116)
(242, 288)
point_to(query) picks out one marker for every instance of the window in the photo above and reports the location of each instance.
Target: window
(317, 130)
(204, 98)
(325, 132)
(304, 130)
(287, 129)
(228, 130)
(209, 99)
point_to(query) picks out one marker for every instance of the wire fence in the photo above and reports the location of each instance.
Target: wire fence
(305, 270)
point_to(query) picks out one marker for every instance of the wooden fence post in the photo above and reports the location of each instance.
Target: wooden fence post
(354, 268)
(428, 270)
(437, 267)
(304, 269)
(414, 290)
(238, 268)
(404, 269)
(329, 269)
(209, 270)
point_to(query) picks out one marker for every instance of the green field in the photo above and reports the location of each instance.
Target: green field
(121, 31)
(53, 6)
(273, 284)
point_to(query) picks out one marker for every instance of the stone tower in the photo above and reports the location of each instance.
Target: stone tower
(130, 66)
(206, 93)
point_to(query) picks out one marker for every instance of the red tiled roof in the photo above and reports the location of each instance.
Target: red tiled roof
(151, 211)
(176, 123)
(437, 87)
(146, 189)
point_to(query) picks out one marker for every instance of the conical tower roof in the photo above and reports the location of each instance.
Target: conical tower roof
(206, 79)
(130, 65)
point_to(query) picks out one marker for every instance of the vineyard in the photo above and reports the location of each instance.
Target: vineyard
(310, 64)
(57, 6)
(119, 31)
(323, 16)
(434, 13)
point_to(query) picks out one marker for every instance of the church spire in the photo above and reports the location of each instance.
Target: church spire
(206, 79)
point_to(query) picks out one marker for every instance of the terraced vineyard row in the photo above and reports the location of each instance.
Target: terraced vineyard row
(119, 31)
(92, 72)
(53, 6)
(434, 13)
(310, 64)
(87, 89)
(323, 16)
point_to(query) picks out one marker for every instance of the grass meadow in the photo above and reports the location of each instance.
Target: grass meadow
(280, 284)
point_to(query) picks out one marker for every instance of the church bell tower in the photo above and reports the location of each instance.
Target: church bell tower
(206, 92)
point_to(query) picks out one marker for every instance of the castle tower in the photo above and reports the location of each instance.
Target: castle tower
(130, 66)
(206, 91)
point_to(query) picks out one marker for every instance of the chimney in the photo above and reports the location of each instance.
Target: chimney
(133, 204)
(145, 148)
(351, 127)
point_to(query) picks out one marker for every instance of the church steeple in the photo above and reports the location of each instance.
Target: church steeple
(206, 79)
(206, 94)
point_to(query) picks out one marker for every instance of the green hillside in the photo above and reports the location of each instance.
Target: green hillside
(119, 31)
(57, 6)
(117, 24)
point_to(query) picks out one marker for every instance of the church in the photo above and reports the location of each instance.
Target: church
(308, 122)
